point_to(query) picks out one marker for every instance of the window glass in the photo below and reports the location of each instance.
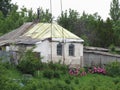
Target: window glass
(71, 50)
(59, 49)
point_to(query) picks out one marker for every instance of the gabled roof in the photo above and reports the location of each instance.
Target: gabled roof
(30, 33)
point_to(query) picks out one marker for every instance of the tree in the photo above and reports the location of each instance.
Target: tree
(116, 28)
(94, 30)
(105, 33)
(1, 22)
(5, 6)
(68, 20)
(115, 15)
(115, 10)
(86, 28)
(44, 16)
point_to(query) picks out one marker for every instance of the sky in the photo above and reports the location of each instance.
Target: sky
(102, 7)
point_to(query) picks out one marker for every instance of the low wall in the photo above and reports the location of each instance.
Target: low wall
(99, 58)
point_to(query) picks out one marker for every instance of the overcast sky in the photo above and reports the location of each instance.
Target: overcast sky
(89, 6)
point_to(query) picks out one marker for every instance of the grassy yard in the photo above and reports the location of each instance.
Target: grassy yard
(88, 82)
(41, 81)
(31, 74)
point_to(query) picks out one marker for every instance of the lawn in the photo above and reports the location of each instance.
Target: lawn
(31, 74)
(44, 80)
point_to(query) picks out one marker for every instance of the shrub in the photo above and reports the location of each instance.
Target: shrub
(56, 74)
(48, 74)
(58, 66)
(29, 63)
(7, 84)
(67, 80)
(51, 74)
(113, 69)
(112, 48)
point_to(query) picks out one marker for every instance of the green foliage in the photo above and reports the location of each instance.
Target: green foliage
(116, 28)
(76, 81)
(113, 69)
(29, 63)
(45, 16)
(54, 70)
(57, 74)
(116, 80)
(5, 7)
(7, 75)
(68, 20)
(86, 41)
(10, 80)
(115, 10)
(67, 81)
(11, 19)
(57, 66)
(112, 48)
(48, 74)
(91, 28)
(115, 15)
(6, 84)
(94, 30)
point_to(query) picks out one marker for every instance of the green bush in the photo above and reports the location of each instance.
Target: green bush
(56, 74)
(29, 63)
(112, 48)
(51, 74)
(7, 84)
(48, 74)
(31, 85)
(113, 69)
(58, 66)
(67, 80)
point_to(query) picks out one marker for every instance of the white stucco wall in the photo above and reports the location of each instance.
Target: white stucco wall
(77, 59)
(45, 48)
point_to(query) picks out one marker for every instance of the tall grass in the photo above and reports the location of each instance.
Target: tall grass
(53, 76)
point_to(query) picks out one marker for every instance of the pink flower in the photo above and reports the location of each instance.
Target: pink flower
(95, 69)
(83, 73)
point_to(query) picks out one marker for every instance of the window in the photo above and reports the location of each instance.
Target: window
(71, 50)
(59, 49)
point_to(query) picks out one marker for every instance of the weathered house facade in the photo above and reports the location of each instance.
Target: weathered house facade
(51, 41)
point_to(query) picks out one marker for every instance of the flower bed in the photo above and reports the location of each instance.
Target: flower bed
(82, 72)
